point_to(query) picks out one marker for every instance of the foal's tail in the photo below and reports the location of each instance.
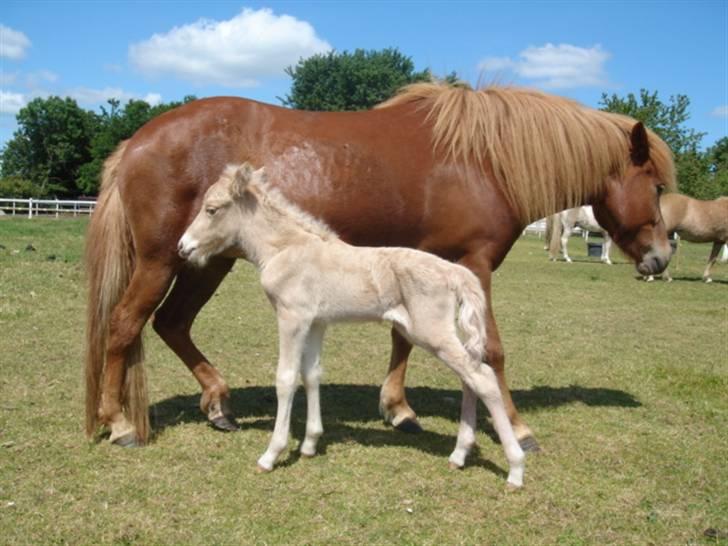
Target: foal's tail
(109, 266)
(471, 318)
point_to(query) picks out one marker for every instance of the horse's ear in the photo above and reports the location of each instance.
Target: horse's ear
(241, 179)
(639, 144)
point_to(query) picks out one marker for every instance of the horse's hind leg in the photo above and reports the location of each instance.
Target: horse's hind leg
(711, 260)
(606, 247)
(173, 321)
(392, 401)
(565, 242)
(146, 289)
(311, 375)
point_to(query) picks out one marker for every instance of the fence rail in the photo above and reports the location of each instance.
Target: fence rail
(37, 207)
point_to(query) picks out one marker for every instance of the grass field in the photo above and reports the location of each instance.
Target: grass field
(624, 383)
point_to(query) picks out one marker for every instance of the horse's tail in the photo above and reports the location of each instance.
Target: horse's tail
(555, 242)
(109, 266)
(471, 318)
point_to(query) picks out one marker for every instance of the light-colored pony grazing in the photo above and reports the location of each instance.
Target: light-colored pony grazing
(696, 221)
(563, 224)
(313, 278)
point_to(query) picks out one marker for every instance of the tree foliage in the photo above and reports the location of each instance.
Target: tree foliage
(52, 142)
(59, 148)
(350, 81)
(700, 174)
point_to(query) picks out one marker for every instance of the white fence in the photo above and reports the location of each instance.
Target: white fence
(36, 207)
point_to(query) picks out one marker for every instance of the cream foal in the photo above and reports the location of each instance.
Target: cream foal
(313, 278)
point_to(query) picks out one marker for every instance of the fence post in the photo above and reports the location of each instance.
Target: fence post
(30, 207)
(56, 207)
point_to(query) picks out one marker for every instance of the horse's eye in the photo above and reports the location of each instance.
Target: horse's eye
(211, 211)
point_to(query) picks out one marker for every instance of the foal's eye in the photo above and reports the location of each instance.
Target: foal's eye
(211, 211)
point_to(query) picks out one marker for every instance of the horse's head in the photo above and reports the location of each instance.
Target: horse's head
(629, 208)
(219, 223)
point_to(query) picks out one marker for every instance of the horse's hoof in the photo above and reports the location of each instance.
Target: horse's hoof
(262, 470)
(511, 487)
(409, 425)
(127, 440)
(224, 424)
(454, 466)
(307, 455)
(529, 444)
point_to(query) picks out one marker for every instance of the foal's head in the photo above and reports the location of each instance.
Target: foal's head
(629, 208)
(218, 225)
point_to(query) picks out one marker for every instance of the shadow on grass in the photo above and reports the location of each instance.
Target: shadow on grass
(343, 404)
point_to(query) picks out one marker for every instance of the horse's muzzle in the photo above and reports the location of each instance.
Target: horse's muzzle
(654, 262)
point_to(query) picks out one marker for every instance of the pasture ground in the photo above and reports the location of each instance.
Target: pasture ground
(624, 383)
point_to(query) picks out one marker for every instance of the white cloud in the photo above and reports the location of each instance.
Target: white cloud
(555, 66)
(13, 43)
(234, 53)
(11, 103)
(720, 111)
(86, 96)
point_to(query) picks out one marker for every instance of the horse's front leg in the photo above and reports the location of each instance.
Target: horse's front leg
(564, 243)
(606, 247)
(311, 374)
(392, 401)
(292, 332)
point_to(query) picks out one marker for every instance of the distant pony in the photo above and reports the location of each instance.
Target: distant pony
(563, 223)
(313, 278)
(696, 221)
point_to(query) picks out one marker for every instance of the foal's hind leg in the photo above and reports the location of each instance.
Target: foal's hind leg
(173, 321)
(711, 260)
(466, 434)
(148, 285)
(311, 375)
(392, 401)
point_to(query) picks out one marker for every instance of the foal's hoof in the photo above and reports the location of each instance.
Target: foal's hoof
(409, 425)
(224, 424)
(262, 470)
(529, 444)
(454, 466)
(511, 487)
(127, 440)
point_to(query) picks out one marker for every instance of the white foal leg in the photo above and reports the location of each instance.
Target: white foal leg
(606, 247)
(483, 381)
(564, 242)
(311, 374)
(292, 335)
(466, 434)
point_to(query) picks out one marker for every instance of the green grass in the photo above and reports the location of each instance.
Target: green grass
(623, 382)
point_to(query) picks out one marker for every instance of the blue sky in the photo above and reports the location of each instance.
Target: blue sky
(164, 50)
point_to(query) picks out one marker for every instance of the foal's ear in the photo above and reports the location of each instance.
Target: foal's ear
(241, 179)
(639, 144)
(260, 175)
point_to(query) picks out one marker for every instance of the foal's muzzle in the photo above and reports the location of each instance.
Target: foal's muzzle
(185, 247)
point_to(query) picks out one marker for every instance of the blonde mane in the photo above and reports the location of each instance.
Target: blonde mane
(532, 142)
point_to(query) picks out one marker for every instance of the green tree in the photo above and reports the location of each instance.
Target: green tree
(50, 145)
(350, 81)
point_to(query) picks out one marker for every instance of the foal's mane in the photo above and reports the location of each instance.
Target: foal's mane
(286, 213)
(541, 148)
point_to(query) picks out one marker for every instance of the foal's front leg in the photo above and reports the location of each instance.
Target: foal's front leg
(292, 332)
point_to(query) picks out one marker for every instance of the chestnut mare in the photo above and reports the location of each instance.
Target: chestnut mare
(450, 170)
